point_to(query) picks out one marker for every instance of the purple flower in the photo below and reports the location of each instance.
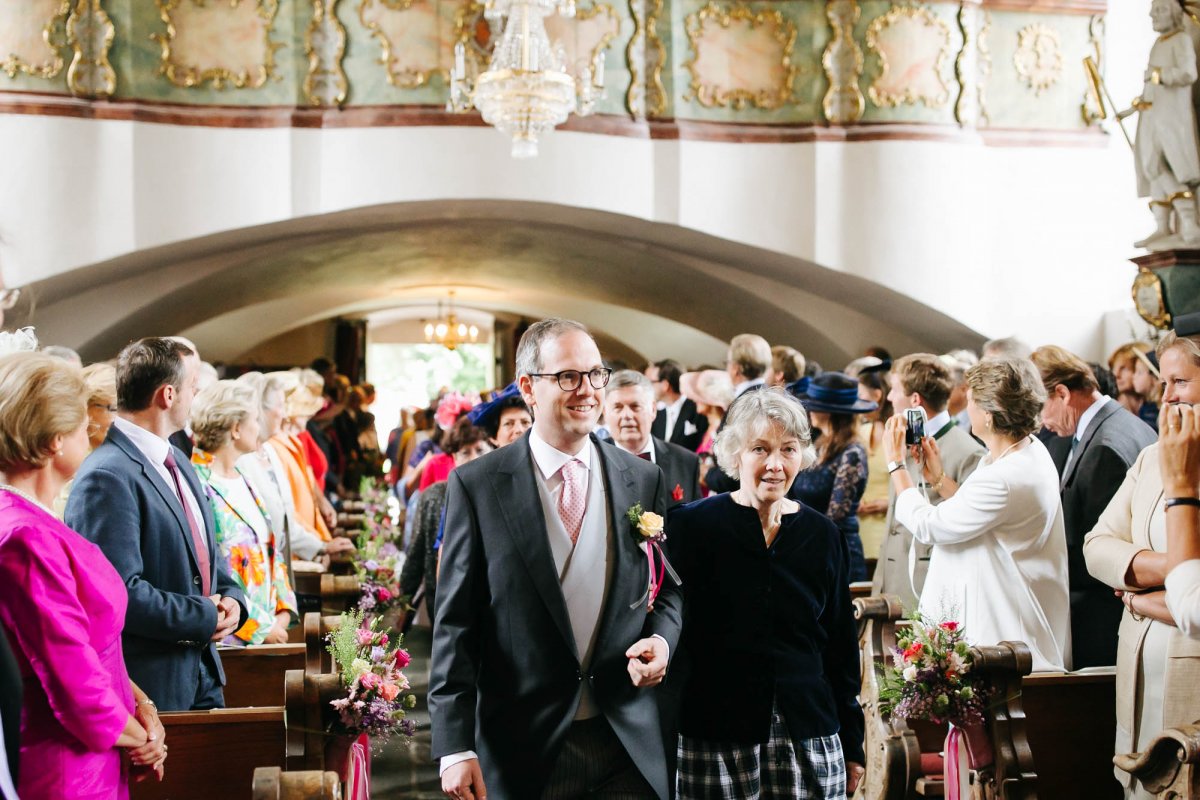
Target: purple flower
(378, 654)
(371, 565)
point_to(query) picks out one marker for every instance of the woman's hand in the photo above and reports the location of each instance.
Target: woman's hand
(931, 461)
(154, 752)
(1179, 450)
(893, 438)
(854, 773)
(869, 508)
(279, 631)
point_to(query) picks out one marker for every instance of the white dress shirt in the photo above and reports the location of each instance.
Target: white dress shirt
(647, 448)
(746, 386)
(673, 416)
(155, 449)
(1085, 419)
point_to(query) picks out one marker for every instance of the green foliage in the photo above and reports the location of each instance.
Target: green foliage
(343, 643)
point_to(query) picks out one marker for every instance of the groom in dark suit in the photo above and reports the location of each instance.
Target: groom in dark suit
(1099, 441)
(544, 650)
(138, 498)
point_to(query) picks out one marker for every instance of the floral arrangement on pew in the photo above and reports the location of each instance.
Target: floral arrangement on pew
(378, 558)
(930, 679)
(370, 662)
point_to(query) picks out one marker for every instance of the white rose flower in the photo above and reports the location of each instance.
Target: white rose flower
(910, 673)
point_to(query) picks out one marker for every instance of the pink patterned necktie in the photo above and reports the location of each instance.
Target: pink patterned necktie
(571, 501)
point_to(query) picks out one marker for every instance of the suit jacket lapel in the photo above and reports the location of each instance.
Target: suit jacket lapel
(628, 559)
(1104, 413)
(167, 493)
(520, 505)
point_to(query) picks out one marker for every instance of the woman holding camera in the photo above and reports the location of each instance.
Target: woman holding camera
(999, 565)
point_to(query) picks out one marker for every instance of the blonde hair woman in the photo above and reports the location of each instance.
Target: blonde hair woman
(100, 381)
(225, 423)
(62, 604)
(1158, 667)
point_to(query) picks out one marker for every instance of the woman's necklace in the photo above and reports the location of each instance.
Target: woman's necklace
(26, 496)
(1005, 451)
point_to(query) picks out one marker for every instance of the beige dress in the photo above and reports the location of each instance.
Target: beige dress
(873, 527)
(1158, 668)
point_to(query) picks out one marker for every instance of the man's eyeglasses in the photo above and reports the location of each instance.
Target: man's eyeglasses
(9, 298)
(570, 380)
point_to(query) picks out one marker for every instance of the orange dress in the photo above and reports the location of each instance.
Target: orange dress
(300, 477)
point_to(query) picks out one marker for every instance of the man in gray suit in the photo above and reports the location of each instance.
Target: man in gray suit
(1099, 441)
(629, 413)
(138, 498)
(544, 647)
(921, 380)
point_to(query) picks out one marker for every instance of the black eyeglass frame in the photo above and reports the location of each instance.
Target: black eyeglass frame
(603, 373)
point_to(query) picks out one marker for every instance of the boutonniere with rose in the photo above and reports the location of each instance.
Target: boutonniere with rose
(650, 534)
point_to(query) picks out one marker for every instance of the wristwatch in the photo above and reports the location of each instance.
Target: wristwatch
(894, 465)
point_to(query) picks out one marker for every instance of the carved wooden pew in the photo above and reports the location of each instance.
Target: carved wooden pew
(254, 675)
(1062, 724)
(213, 754)
(272, 783)
(1170, 767)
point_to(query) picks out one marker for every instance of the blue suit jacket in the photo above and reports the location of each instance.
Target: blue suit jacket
(120, 502)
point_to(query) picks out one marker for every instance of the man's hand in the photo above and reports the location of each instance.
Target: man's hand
(326, 509)
(647, 661)
(228, 616)
(854, 773)
(464, 781)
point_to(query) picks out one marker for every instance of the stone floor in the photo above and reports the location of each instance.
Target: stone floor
(404, 771)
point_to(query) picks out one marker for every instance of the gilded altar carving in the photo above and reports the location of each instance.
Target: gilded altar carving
(1091, 108)
(656, 61)
(965, 71)
(1038, 57)
(583, 38)
(913, 44)
(843, 62)
(984, 66)
(325, 85)
(33, 37)
(226, 43)
(90, 33)
(416, 41)
(635, 56)
(758, 42)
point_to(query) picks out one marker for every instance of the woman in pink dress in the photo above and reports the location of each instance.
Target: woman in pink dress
(62, 605)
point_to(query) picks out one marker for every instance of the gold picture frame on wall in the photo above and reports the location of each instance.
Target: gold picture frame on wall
(176, 68)
(1149, 300)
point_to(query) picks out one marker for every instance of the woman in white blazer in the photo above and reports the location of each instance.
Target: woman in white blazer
(1158, 666)
(999, 562)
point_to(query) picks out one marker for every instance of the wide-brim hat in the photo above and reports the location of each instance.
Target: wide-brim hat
(831, 393)
(711, 387)
(302, 402)
(486, 415)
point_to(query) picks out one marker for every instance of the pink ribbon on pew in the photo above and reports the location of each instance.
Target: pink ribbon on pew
(957, 771)
(358, 781)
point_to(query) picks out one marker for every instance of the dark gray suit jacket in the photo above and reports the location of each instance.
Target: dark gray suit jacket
(1106, 451)
(687, 413)
(681, 468)
(506, 677)
(120, 502)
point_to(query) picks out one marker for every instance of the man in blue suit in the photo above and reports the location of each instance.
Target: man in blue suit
(138, 498)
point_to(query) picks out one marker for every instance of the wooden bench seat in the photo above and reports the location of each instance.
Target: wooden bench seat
(272, 783)
(254, 675)
(213, 754)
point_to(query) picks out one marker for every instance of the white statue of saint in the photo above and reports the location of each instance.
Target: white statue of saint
(1166, 150)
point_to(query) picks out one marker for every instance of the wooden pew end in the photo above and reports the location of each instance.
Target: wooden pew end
(272, 783)
(1158, 768)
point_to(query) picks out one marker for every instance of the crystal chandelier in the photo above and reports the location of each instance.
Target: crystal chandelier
(448, 331)
(527, 89)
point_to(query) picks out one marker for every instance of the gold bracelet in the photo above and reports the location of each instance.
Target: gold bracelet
(1136, 616)
(937, 485)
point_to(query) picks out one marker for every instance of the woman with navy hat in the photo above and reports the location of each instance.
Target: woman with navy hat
(834, 485)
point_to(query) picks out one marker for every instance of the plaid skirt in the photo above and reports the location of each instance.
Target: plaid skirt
(805, 769)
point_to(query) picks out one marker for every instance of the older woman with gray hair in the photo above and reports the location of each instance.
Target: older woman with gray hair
(999, 565)
(764, 581)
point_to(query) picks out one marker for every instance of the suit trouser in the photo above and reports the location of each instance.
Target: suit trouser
(209, 693)
(594, 764)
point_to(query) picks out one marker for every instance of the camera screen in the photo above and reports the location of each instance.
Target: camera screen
(915, 417)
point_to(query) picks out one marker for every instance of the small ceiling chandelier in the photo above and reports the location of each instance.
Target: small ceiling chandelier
(448, 331)
(527, 89)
